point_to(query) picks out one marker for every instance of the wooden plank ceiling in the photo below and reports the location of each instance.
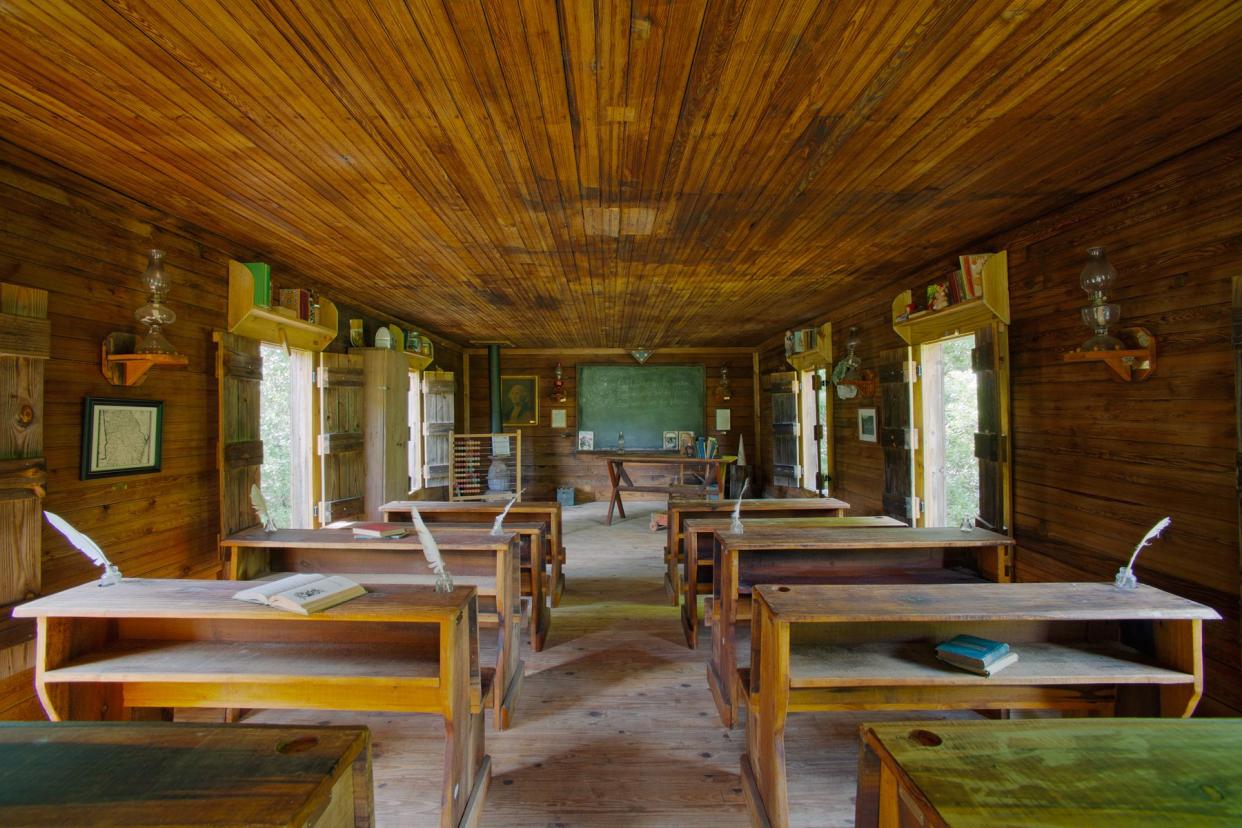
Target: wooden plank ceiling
(613, 172)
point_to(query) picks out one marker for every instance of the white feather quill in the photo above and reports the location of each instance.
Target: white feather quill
(88, 547)
(431, 551)
(736, 526)
(259, 502)
(498, 527)
(1125, 576)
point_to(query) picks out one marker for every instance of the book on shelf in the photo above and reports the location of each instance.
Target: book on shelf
(990, 669)
(379, 530)
(972, 271)
(303, 594)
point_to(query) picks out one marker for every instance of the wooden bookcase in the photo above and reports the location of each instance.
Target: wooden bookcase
(962, 317)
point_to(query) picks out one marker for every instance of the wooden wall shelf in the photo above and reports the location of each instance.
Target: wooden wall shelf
(1127, 365)
(866, 383)
(121, 366)
(268, 325)
(962, 317)
(818, 357)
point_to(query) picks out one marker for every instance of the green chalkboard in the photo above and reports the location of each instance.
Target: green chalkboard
(643, 401)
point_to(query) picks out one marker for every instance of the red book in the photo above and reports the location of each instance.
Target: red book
(379, 530)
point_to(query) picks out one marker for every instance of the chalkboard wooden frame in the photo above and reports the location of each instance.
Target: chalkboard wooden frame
(683, 404)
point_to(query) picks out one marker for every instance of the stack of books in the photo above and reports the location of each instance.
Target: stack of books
(981, 656)
(379, 530)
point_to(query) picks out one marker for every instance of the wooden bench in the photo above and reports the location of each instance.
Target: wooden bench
(149, 774)
(448, 511)
(779, 555)
(1067, 773)
(681, 510)
(472, 555)
(105, 653)
(1087, 647)
(699, 539)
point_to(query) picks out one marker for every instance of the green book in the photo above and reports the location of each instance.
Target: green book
(261, 273)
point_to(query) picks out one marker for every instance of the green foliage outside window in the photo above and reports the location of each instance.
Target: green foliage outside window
(961, 421)
(276, 432)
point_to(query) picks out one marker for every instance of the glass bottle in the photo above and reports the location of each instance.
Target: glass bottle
(620, 441)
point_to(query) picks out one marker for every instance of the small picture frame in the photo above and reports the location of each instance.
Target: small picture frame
(685, 443)
(868, 426)
(559, 418)
(670, 441)
(586, 441)
(121, 437)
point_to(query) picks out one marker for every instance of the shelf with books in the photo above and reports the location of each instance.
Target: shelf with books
(969, 313)
(281, 326)
(810, 348)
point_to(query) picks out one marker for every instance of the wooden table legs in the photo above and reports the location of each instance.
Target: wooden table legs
(614, 477)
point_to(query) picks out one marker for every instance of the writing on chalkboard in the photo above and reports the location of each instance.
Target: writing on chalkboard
(641, 401)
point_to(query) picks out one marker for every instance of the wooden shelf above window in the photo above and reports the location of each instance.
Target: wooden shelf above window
(820, 356)
(962, 317)
(269, 324)
(121, 366)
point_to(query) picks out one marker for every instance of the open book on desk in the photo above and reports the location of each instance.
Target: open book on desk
(303, 594)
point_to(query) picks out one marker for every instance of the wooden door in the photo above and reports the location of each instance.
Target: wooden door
(387, 378)
(992, 440)
(897, 435)
(438, 389)
(25, 344)
(239, 447)
(342, 445)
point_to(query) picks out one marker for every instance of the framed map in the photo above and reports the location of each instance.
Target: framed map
(121, 436)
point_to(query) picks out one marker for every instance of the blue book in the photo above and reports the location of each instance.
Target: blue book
(971, 649)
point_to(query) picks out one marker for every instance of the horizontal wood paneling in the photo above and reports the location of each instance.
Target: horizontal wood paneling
(550, 456)
(667, 172)
(1097, 462)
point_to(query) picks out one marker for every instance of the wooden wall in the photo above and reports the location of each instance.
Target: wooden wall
(1097, 462)
(550, 456)
(86, 245)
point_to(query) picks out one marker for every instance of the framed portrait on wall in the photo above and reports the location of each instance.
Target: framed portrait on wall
(121, 436)
(519, 400)
(868, 428)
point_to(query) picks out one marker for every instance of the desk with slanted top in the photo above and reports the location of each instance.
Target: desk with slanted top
(152, 774)
(876, 555)
(104, 652)
(872, 647)
(1050, 773)
(472, 555)
(458, 511)
(699, 535)
(681, 510)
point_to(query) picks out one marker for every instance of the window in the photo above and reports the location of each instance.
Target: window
(950, 422)
(415, 445)
(284, 428)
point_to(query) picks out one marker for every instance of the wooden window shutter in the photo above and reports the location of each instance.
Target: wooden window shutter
(897, 434)
(786, 470)
(25, 343)
(438, 416)
(342, 444)
(239, 371)
(991, 441)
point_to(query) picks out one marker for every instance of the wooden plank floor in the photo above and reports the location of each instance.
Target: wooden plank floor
(615, 726)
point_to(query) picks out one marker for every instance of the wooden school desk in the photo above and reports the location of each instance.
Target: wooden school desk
(474, 556)
(780, 555)
(713, 473)
(699, 541)
(103, 652)
(871, 647)
(458, 511)
(1067, 773)
(149, 774)
(681, 510)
